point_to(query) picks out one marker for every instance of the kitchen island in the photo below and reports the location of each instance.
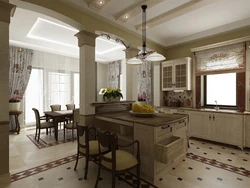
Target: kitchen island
(150, 131)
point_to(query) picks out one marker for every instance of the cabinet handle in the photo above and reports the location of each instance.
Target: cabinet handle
(165, 127)
(213, 117)
(209, 117)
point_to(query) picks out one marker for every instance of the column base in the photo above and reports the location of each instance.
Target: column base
(4, 180)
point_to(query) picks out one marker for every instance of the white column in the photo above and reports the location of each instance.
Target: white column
(86, 43)
(6, 10)
(131, 75)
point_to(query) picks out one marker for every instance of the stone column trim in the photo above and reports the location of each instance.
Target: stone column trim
(7, 10)
(4, 122)
(86, 38)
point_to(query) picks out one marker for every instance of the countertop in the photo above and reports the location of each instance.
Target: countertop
(159, 119)
(228, 111)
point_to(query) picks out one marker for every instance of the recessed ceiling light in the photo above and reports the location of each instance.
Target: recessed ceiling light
(101, 2)
(126, 16)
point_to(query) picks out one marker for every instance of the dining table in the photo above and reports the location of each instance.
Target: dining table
(57, 116)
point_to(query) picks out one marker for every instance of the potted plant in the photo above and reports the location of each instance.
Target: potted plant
(112, 94)
(14, 103)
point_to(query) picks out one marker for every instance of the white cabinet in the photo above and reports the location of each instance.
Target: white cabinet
(247, 131)
(220, 127)
(176, 74)
(200, 125)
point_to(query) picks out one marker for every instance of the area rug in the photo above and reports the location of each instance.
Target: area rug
(50, 142)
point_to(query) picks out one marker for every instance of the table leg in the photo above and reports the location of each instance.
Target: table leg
(17, 124)
(56, 128)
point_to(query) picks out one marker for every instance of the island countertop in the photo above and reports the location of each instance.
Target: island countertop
(159, 119)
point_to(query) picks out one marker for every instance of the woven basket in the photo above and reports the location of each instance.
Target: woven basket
(167, 150)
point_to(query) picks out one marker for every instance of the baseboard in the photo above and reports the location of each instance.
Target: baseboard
(4, 180)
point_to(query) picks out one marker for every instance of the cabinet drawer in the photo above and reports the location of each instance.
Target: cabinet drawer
(162, 130)
(180, 124)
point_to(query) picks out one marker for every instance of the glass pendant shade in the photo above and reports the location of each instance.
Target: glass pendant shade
(155, 57)
(134, 61)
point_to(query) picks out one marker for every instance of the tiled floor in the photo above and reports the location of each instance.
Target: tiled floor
(51, 164)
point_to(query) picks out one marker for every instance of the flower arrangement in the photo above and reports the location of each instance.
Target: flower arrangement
(112, 93)
(15, 98)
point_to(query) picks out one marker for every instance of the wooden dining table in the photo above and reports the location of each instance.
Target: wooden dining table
(57, 116)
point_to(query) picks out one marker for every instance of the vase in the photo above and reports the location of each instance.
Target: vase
(111, 99)
(14, 106)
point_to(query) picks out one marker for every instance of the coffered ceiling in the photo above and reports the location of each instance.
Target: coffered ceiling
(171, 22)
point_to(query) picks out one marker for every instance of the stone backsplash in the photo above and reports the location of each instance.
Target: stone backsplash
(183, 99)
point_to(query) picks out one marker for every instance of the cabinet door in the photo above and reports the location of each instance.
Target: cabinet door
(227, 128)
(200, 124)
(167, 77)
(180, 76)
(247, 131)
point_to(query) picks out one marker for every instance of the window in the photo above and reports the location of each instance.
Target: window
(59, 89)
(220, 88)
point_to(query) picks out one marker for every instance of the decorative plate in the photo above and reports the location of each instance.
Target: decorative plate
(143, 114)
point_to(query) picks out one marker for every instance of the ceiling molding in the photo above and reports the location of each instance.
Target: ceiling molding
(97, 4)
(176, 12)
(134, 10)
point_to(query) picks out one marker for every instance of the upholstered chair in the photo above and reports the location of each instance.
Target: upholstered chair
(41, 125)
(70, 106)
(117, 161)
(86, 147)
(72, 124)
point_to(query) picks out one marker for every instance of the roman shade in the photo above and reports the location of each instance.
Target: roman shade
(224, 59)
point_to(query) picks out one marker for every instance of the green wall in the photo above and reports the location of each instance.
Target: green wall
(183, 50)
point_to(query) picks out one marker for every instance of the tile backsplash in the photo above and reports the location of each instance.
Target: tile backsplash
(184, 98)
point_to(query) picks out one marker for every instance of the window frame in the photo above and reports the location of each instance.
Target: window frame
(221, 106)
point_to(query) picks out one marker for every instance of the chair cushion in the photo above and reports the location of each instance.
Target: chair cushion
(46, 125)
(93, 148)
(124, 160)
(70, 126)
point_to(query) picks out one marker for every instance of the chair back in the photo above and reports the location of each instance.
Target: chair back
(37, 117)
(70, 106)
(76, 117)
(55, 107)
(110, 140)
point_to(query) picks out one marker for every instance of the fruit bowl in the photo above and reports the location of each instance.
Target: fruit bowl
(139, 114)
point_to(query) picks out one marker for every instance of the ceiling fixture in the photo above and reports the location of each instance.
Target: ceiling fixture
(100, 2)
(144, 54)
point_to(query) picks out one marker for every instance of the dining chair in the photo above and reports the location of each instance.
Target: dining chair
(57, 107)
(70, 106)
(41, 125)
(72, 124)
(117, 161)
(86, 147)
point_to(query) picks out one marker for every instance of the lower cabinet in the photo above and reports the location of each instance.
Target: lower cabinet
(220, 127)
(247, 131)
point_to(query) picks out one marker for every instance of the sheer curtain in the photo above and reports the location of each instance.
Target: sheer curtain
(55, 80)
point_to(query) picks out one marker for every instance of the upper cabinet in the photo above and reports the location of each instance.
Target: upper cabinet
(176, 74)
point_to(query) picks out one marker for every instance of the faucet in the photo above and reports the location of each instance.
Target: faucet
(216, 108)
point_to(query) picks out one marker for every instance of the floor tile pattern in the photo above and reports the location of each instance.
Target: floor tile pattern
(213, 162)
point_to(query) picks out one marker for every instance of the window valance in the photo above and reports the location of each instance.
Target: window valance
(225, 59)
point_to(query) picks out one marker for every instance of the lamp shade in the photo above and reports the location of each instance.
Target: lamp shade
(134, 61)
(155, 57)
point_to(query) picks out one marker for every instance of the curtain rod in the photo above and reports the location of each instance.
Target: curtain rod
(219, 44)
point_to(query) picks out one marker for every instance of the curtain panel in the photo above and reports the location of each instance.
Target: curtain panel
(225, 59)
(114, 70)
(20, 61)
(144, 82)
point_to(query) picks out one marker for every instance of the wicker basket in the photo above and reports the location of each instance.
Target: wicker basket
(167, 150)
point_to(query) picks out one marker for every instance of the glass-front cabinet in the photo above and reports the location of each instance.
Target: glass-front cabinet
(176, 74)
